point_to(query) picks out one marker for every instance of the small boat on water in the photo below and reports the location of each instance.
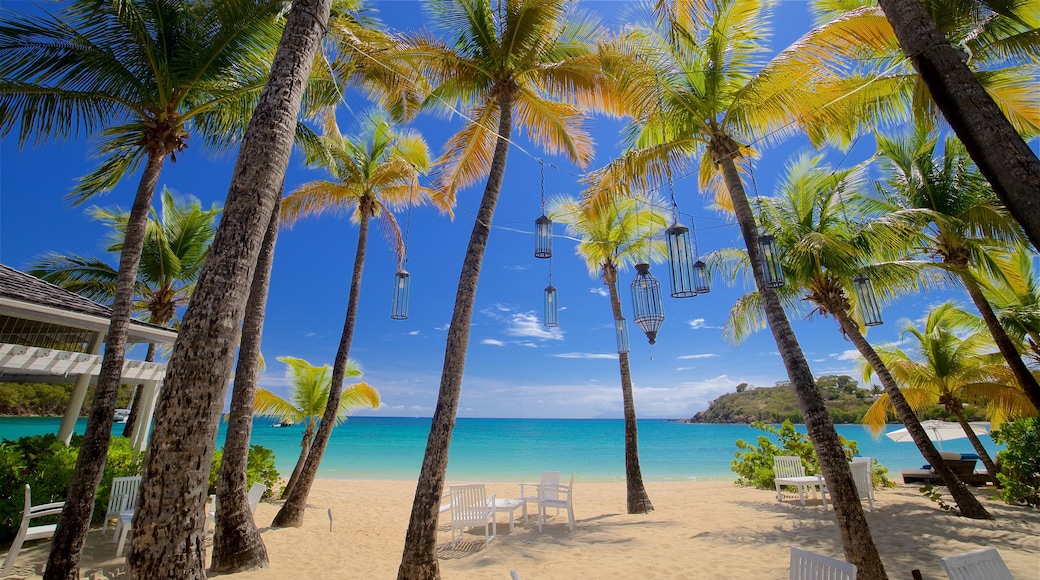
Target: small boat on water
(283, 424)
(121, 415)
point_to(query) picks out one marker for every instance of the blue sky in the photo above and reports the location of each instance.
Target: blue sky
(515, 366)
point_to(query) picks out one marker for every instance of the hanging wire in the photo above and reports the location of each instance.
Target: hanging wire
(543, 226)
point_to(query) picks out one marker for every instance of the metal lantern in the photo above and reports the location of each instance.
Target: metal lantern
(680, 258)
(646, 302)
(551, 309)
(399, 306)
(770, 259)
(869, 308)
(621, 330)
(701, 285)
(543, 237)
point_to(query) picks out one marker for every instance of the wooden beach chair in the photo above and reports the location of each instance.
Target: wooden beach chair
(27, 532)
(122, 496)
(806, 565)
(788, 470)
(470, 508)
(559, 497)
(531, 494)
(985, 564)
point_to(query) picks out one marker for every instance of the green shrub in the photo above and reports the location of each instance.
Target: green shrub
(753, 464)
(1019, 461)
(259, 467)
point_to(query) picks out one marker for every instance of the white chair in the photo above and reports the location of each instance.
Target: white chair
(122, 497)
(985, 564)
(529, 491)
(256, 491)
(559, 497)
(807, 565)
(125, 516)
(470, 508)
(788, 470)
(860, 476)
(27, 532)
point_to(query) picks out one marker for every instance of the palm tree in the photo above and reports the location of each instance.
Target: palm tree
(964, 222)
(373, 173)
(176, 468)
(612, 236)
(311, 388)
(691, 80)
(1015, 294)
(825, 241)
(176, 243)
(529, 59)
(144, 74)
(950, 369)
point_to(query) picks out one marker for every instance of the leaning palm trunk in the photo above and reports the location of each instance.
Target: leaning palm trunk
(305, 449)
(855, 534)
(237, 545)
(966, 501)
(997, 149)
(71, 533)
(292, 510)
(135, 402)
(1007, 348)
(168, 520)
(419, 559)
(638, 500)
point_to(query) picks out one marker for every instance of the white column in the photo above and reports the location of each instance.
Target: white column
(144, 416)
(79, 392)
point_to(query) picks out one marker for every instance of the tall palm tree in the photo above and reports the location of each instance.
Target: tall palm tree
(826, 235)
(611, 237)
(374, 172)
(177, 240)
(311, 390)
(144, 74)
(174, 480)
(1015, 294)
(952, 364)
(528, 61)
(691, 80)
(964, 221)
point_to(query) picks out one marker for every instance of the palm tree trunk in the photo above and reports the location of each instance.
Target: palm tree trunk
(997, 149)
(237, 545)
(968, 504)
(991, 467)
(135, 403)
(419, 559)
(71, 533)
(638, 500)
(1026, 380)
(291, 514)
(305, 449)
(170, 514)
(855, 534)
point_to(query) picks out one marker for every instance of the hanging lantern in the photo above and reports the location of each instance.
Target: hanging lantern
(646, 302)
(621, 330)
(701, 285)
(551, 310)
(869, 308)
(770, 259)
(543, 237)
(680, 257)
(399, 306)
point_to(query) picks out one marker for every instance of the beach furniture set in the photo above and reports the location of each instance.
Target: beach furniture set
(962, 464)
(789, 471)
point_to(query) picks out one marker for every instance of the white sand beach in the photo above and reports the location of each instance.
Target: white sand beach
(697, 530)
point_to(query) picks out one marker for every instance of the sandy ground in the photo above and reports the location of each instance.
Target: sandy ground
(697, 530)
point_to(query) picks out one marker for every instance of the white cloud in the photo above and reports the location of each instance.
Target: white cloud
(492, 342)
(696, 323)
(414, 333)
(600, 290)
(697, 356)
(443, 328)
(852, 354)
(527, 325)
(517, 268)
(527, 344)
(585, 355)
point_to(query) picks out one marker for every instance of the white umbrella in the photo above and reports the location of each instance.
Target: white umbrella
(940, 431)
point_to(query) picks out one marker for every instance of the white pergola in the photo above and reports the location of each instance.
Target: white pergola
(51, 335)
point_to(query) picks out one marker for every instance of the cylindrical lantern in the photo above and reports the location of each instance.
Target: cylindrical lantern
(621, 330)
(770, 259)
(869, 308)
(680, 261)
(701, 285)
(543, 237)
(399, 306)
(551, 309)
(646, 302)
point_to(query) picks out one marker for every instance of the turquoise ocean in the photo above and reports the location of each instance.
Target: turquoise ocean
(520, 449)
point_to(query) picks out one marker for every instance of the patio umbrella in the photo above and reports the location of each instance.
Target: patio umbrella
(940, 431)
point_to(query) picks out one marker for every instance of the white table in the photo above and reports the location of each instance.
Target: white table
(511, 505)
(801, 483)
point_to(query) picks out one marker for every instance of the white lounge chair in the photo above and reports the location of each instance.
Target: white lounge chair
(256, 491)
(985, 564)
(470, 508)
(122, 497)
(788, 470)
(807, 565)
(559, 497)
(529, 491)
(27, 532)
(860, 476)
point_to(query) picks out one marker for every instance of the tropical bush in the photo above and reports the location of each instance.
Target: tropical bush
(753, 463)
(1019, 461)
(259, 467)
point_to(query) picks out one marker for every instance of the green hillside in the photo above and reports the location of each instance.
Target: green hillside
(845, 401)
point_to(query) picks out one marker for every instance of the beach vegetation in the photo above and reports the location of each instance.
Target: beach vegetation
(1019, 461)
(844, 400)
(1015, 294)
(260, 467)
(612, 236)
